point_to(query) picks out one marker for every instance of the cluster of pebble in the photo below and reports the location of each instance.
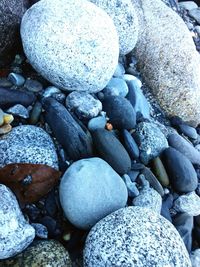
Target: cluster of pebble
(130, 172)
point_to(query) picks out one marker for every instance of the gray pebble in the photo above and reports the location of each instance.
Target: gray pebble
(33, 85)
(51, 90)
(117, 87)
(97, 123)
(35, 113)
(40, 230)
(19, 110)
(16, 79)
(119, 71)
(131, 186)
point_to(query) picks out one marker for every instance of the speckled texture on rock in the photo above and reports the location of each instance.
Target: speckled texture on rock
(67, 42)
(15, 233)
(195, 257)
(41, 253)
(27, 144)
(168, 59)
(189, 203)
(125, 20)
(135, 237)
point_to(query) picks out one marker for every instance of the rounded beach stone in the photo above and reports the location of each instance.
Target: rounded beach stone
(27, 144)
(135, 237)
(67, 43)
(89, 190)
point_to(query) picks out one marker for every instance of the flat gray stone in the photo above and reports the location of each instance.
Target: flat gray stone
(189, 203)
(135, 237)
(67, 43)
(195, 14)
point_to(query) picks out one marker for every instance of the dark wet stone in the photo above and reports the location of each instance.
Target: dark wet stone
(188, 131)
(33, 85)
(120, 112)
(32, 211)
(133, 175)
(50, 224)
(35, 113)
(180, 170)
(176, 121)
(40, 230)
(67, 131)
(50, 204)
(160, 172)
(111, 150)
(130, 145)
(166, 206)
(9, 98)
(137, 166)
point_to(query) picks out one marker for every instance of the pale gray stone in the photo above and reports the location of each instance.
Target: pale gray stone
(27, 144)
(19, 110)
(125, 20)
(195, 14)
(89, 190)
(189, 203)
(168, 60)
(195, 257)
(135, 237)
(50, 91)
(188, 5)
(15, 233)
(67, 43)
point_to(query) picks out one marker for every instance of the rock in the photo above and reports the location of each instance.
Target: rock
(188, 5)
(35, 113)
(5, 129)
(130, 145)
(120, 71)
(50, 91)
(33, 85)
(166, 206)
(189, 203)
(180, 170)
(15, 233)
(89, 190)
(9, 98)
(19, 110)
(184, 225)
(150, 139)
(131, 186)
(160, 171)
(97, 123)
(11, 12)
(148, 198)
(16, 79)
(83, 104)
(111, 150)
(116, 87)
(133, 175)
(27, 144)
(40, 230)
(195, 257)
(186, 148)
(41, 253)
(125, 20)
(71, 47)
(188, 131)
(168, 62)
(68, 132)
(120, 112)
(129, 237)
(50, 224)
(195, 14)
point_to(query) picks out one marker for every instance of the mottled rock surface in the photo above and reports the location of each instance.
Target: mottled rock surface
(189, 203)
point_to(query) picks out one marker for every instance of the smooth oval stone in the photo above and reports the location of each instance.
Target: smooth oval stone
(130, 145)
(50, 91)
(181, 172)
(33, 85)
(119, 71)
(188, 131)
(35, 113)
(89, 190)
(160, 171)
(117, 87)
(19, 110)
(16, 79)
(111, 150)
(186, 148)
(9, 98)
(120, 112)
(97, 123)
(67, 131)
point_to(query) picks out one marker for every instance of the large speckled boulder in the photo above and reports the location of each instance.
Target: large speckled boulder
(73, 44)
(41, 253)
(125, 20)
(135, 237)
(168, 59)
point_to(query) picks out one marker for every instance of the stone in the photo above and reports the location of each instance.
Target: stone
(117, 87)
(189, 203)
(151, 141)
(195, 14)
(15, 232)
(11, 12)
(188, 131)
(27, 144)
(188, 5)
(97, 123)
(131, 186)
(71, 49)
(83, 104)
(195, 257)
(167, 59)
(19, 110)
(130, 145)
(33, 85)
(180, 170)
(120, 71)
(125, 20)
(16, 79)
(167, 204)
(160, 171)
(50, 91)
(41, 253)
(135, 236)
(120, 112)
(111, 150)
(40, 230)
(75, 141)
(186, 148)
(89, 190)
(35, 113)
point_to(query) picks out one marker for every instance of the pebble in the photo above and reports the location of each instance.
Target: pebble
(134, 236)
(16, 79)
(186, 148)
(19, 110)
(160, 171)
(129, 77)
(195, 14)
(188, 131)
(50, 225)
(97, 123)
(40, 230)
(35, 113)
(4, 82)
(120, 112)
(151, 141)
(180, 170)
(15, 233)
(83, 104)
(33, 85)
(188, 5)
(167, 204)
(195, 257)
(107, 145)
(116, 87)
(76, 143)
(131, 186)
(133, 175)
(89, 190)
(130, 145)
(50, 91)
(119, 71)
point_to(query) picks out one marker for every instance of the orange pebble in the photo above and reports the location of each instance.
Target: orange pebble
(109, 126)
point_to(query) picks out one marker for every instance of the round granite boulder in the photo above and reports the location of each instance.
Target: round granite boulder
(67, 43)
(135, 237)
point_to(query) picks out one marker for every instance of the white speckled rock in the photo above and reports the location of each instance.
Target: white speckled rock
(27, 144)
(89, 190)
(195, 257)
(67, 42)
(125, 20)
(149, 198)
(189, 203)
(135, 237)
(168, 59)
(15, 233)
